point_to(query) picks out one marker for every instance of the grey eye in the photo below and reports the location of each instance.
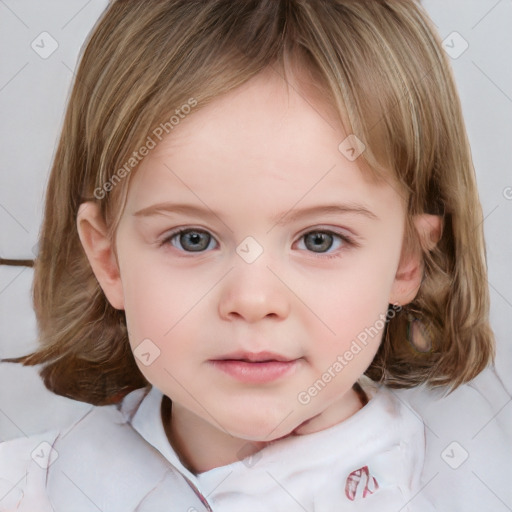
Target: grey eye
(318, 241)
(192, 240)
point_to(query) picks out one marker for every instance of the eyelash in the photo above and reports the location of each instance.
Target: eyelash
(347, 240)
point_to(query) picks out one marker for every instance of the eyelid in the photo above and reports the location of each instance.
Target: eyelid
(186, 227)
(343, 233)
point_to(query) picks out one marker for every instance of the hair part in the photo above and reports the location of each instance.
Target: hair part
(381, 66)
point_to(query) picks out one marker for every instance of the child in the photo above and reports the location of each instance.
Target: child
(256, 225)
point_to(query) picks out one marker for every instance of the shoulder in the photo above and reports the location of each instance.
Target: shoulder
(399, 433)
(392, 411)
(23, 467)
(16, 455)
(468, 439)
(98, 462)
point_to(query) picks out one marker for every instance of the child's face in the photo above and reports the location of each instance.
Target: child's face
(254, 172)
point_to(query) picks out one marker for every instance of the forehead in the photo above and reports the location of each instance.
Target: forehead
(268, 115)
(276, 137)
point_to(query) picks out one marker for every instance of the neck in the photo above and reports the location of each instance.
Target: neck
(202, 445)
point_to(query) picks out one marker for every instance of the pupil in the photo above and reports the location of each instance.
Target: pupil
(319, 242)
(194, 241)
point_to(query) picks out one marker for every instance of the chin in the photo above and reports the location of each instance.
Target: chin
(262, 427)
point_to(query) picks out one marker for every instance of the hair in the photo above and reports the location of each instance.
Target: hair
(381, 67)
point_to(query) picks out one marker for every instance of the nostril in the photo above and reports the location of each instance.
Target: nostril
(252, 301)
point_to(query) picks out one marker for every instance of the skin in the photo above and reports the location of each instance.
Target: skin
(252, 156)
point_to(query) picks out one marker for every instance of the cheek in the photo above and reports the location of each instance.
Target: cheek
(165, 306)
(351, 299)
(350, 310)
(156, 315)
(157, 295)
(148, 304)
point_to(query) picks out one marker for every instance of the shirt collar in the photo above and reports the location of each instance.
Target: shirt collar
(382, 423)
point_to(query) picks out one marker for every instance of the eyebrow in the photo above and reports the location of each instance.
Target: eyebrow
(336, 209)
(279, 220)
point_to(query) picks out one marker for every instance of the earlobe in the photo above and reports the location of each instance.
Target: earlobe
(409, 274)
(99, 251)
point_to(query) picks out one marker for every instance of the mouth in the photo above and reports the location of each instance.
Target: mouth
(257, 367)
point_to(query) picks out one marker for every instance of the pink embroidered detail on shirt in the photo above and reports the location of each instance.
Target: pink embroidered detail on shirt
(360, 480)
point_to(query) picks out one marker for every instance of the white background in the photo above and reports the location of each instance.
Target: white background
(33, 94)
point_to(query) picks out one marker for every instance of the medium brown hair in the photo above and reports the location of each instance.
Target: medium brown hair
(381, 66)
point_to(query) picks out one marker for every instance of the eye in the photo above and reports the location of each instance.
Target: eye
(323, 241)
(191, 240)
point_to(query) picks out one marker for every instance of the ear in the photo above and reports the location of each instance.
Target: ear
(410, 269)
(99, 250)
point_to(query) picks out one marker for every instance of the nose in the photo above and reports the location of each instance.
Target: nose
(251, 292)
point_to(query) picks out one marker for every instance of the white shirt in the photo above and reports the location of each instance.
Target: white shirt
(119, 459)
(371, 461)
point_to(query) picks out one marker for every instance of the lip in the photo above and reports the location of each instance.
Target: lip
(255, 357)
(252, 367)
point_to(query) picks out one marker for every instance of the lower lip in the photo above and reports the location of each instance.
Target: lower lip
(267, 371)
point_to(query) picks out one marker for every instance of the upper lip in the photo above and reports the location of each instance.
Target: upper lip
(254, 357)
